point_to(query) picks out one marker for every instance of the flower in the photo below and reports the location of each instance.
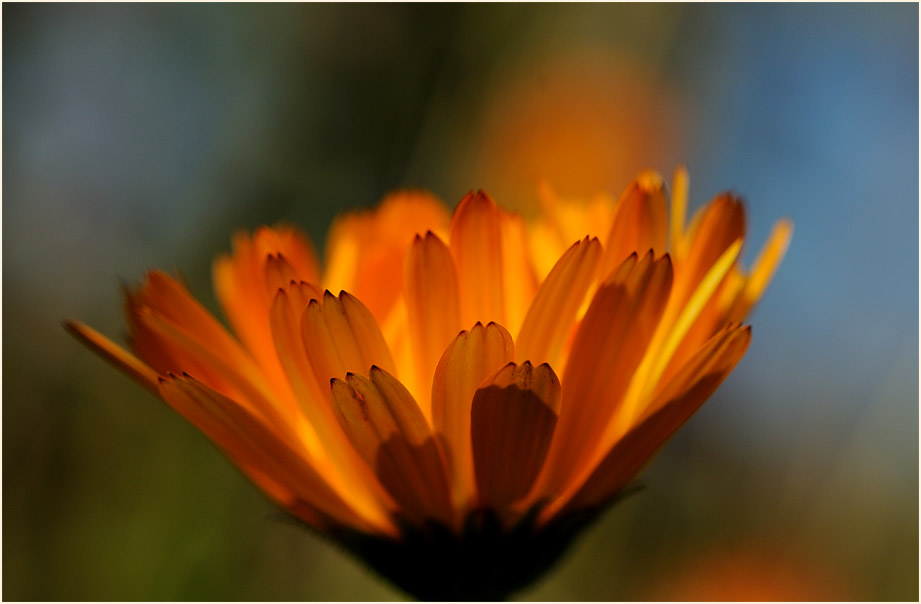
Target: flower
(481, 386)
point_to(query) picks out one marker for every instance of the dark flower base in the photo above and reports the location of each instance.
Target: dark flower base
(485, 562)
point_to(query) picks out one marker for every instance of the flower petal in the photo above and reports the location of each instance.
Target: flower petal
(553, 311)
(387, 428)
(241, 381)
(476, 243)
(341, 336)
(293, 244)
(715, 227)
(430, 291)
(640, 222)
(253, 446)
(467, 361)
(684, 394)
(669, 337)
(169, 299)
(607, 349)
(520, 279)
(278, 273)
(512, 421)
(171, 331)
(763, 269)
(245, 283)
(679, 208)
(365, 250)
(327, 442)
(115, 354)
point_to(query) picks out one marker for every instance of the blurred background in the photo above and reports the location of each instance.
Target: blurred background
(141, 136)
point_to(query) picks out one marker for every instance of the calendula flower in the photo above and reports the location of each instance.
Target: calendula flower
(482, 384)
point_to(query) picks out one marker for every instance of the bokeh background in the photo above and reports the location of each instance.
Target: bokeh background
(141, 136)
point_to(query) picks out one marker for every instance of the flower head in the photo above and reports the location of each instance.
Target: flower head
(482, 383)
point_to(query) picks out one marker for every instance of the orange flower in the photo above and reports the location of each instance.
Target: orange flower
(483, 385)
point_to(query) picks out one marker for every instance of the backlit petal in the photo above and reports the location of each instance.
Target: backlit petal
(715, 227)
(252, 445)
(520, 279)
(679, 208)
(341, 336)
(433, 309)
(640, 222)
(668, 337)
(673, 406)
(763, 269)
(607, 349)
(130, 364)
(476, 243)
(365, 250)
(553, 311)
(246, 281)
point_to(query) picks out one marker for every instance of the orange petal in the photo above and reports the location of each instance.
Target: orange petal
(241, 380)
(366, 250)
(512, 421)
(714, 315)
(573, 219)
(476, 243)
(169, 299)
(520, 278)
(294, 245)
(278, 274)
(763, 269)
(467, 361)
(553, 311)
(250, 444)
(670, 334)
(640, 222)
(341, 336)
(312, 397)
(432, 303)
(716, 227)
(166, 298)
(608, 347)
(245, 283)
(337, 459)
(679, 209)
(673, 406)
(388, 430)
(115, 354)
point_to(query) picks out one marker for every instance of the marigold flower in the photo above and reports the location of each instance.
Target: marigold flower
(481, 386)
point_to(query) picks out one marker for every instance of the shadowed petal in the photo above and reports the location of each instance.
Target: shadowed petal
(388, 430)
(512, 421)
(467, 361)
